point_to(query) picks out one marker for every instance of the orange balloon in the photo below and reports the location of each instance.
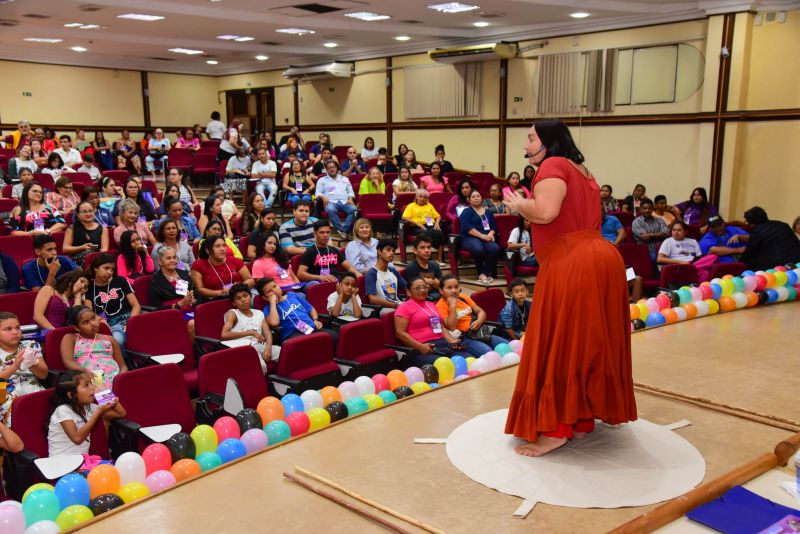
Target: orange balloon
(103, 479)
(270, 409)
(634, 312)
(752, 299)
(185, 468)
(330, 394)
(691, 310)
(727, 277)
(670, 315)
(397, 378)
(727, 304)
(770, 279)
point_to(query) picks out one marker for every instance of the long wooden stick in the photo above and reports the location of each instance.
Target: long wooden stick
(379, 506)
(676, 508)
(353, 508)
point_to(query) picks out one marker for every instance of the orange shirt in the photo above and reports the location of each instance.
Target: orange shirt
(463, 311)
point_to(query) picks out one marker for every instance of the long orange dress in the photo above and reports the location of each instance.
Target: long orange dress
(576, 361)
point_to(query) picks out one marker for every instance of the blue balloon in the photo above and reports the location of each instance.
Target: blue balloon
(231, 449)
(747, 273)
(655, 319)
(277, 431)
(502, 348)
(461, 365)
(72, 489)
(292, 403)
(791, 278)
(355, 406)
(772, 296)
(434, 385)
(387, 396)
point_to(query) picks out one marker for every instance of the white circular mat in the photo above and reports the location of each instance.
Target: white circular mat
(634, 464)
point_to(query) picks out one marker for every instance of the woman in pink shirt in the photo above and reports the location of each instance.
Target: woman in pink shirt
(513, 186)
(435, 182)
(133, 260)
(188, 140)
(273, 263)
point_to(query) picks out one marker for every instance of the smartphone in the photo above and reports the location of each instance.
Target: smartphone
(105, 397)
(95, 246)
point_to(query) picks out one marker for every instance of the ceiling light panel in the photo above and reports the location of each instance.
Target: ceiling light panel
(42, 40)
(79, 49)
(187, 51)
(139, 16)
(402, 38)
(579, 15)
(295, 31)
(367, 16)
(262, 58)
(453, 7)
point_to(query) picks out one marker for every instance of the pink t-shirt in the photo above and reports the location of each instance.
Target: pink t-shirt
(431, 187)
(269, 267)
(419, 319)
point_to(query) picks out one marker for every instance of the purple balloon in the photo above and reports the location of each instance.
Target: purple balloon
(159, 480)
(12, 519)
(254, 439)
(414, 375)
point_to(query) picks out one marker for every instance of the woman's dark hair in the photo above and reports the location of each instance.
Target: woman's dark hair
(178, 170)
(168, 194)
(140, 200)
(249, 217)
(68, 279)
(511, 175)
(53, 157)
(171, 201)
(280, 256)
(24, 202)
(677, 222)
(127, 252)
(461, 198)
(439, 148)
(400, 148)
(703, 194)
(525, 170)
(659, 198)
(211, 224)
(160, 232)
(369, 139)
(215, 115)
(208, 246)
(414, 161)
(756, 215)
(208, 205)
(555, 137)
(66, 390)
(447, 277)
(88, 190)
(521, 228)
(99, 133)
(105, 181)
(77, 224)
(430, 170)
(100, 259)
(610, 189)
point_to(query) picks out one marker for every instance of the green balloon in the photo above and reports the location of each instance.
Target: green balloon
(205, 439)
(387, 396)
(208, 460)
(72, 516)
(355, 406)
(40, 505)
(277, 431)
(373, 401)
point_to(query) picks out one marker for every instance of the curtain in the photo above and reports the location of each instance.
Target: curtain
(442, 91)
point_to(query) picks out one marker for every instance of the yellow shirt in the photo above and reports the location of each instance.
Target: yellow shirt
(416, 213)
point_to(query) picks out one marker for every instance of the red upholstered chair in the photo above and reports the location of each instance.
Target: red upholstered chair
(19, 247)
(306, 362)
(180, 158)
(295, 262)
(159, 333)
(52, 345)
(209, 318)
(45, 180)
(221, 167)
(455, 253)
(210, 143)
(453, 177)
(240, 364)
(362, 343)
(204, 164)
(83, 178)
(625, 217)
(120, 176)
(4, 162)
(309, 146)
(629, 239)
(7, 191)
(638, 257)
(676, 276)
(340, 152)
(20, 304)
(375, 208)
(317, 296)
(141, 288)
(7, 204)
(693, 232)
(439, 200)
(152, 396)
(492, 301)
(721, 269)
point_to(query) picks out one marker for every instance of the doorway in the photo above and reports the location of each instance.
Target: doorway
(255, 108)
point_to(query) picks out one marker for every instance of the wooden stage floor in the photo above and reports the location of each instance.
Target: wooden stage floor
(747, 359)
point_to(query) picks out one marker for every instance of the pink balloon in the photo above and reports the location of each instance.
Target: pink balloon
(156, 458)
(298, 422)
(516, 346)
(348, 390)
(381, 383)
(12, 520)
(255, 439)
(473, 372)
(226, 427)
(652, 305)
(493, 359)
(780, 268)
(414, 375)
(159, 480)
(696, 293)
(663, 301)
(750, 283)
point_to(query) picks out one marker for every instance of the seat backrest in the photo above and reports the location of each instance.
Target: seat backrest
(205, 161)
(317, 295)
(295, 262)
(491, 300)
(179, 156)
(372, 203)
(209, 318)
(8, 204)
(675, 276)
(52, 347)
(141, 288)
(210, 143)
(302, 352)
(402, 200)
(359, 338)
(7, 191)
(505, 224)
(389, 333)
(340, 152)
(58, 237)
(161, 332)
(120, 176)
(19, 247)
(20, 304)
(45, 180)
(440, 199)
(693, 232)
(719, 270)
(453, 177)
(638, 257)
(156, 395)
(239, 363)
(80, 178)
(625, 217)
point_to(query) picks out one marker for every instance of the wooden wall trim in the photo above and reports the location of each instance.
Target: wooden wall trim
(296, 102)
(389, 104)
(723, 87)
(501, 137)
(146, 100)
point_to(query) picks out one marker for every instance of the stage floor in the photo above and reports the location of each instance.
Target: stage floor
(743, 358)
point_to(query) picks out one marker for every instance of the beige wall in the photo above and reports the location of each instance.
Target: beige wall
(360, 99)
(353, 138)
(178, 100)
(467, 148)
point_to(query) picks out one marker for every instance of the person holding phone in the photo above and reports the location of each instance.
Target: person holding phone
(86, 235)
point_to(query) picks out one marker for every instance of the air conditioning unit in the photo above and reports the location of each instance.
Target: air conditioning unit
(474, 53)
(320, 72)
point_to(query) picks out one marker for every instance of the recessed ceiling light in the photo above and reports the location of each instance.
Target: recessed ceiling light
(579, 15)
(139, 16)
(91, 27)
(227, 37)
(73, 25)
(244, 39)
(480, 24)
(78, 49)
(367, 16)
(453, 7)
(295, 31)
(212, 62)
(187, 51)
(402, 38)
(42, 40)
(262, 58)
(330, 45)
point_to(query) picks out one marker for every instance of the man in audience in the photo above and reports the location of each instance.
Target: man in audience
(439, 157)
(384, 164)
(264, 170)
(19, 137)
(665, 211)
(48, 265)
(89, 167)
(514, 315)
(648, 229)
(612, 229)
(318, 170)
(321, 262)
(315, 154)
(297, 234)
(720, 241)
(353, 163)
(383, 283)
(337, 194)
(770, 243)
(69, 155)
(423, 267)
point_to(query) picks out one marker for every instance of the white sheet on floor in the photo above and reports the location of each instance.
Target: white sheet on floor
(634, 464)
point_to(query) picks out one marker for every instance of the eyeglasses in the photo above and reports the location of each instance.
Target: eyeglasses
(419, 289)
(86, 212)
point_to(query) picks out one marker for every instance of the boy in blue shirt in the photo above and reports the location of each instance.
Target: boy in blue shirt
(47, 266)
(514, 314)
(291, 311)
(722, 240)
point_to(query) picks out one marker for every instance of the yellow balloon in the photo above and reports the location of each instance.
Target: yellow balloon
(318, 418)
(420, 387)
(727, 287)
(469, 362)
(643, 311)
(373, 401)
(40, 485)
(72, 516)
(447, 371)
(713, 306)
(205, 439)
(133, 491)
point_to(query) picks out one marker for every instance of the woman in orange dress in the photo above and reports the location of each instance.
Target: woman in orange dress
(576, 360)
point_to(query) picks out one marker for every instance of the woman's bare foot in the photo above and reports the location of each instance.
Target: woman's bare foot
(579, 435)
(542, 446)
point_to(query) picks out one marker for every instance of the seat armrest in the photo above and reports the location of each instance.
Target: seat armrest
(145, 357)
(123, 436)
(494, 324)
(19, 472)
(283, 385)
(204, 414)
(345, 366)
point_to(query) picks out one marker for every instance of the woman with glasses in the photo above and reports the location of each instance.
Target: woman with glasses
(64, 198)
(86, 235)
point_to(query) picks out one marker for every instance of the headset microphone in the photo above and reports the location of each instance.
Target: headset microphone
(529, 155)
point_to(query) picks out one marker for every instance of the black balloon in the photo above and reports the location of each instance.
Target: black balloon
(763, 298)
(674, 299)
(181, 445)
(638, 324)
(430, 373)
(248, 418)
(104, 503)
(338, 411)
(403, 391)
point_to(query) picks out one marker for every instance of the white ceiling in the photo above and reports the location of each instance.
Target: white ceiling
(195, 24)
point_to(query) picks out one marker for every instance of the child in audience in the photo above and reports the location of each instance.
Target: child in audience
(273, 263)
(89, 351)
(21, 365)
(665, 211)
(75, 414)
(243, 322)
(345, 302)
(681, 250)
(383, 283)
(457, 310)
(422, 266)
(520, 241)
(514, 314)
(291, 311)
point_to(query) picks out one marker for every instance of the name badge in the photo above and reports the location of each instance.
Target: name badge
(429, 220)
(436, 324)
(324, 271)
(298, 186)
(182, 287)
(485, 222)
(629, 274)
(304, 327)
(141, 219)
(184, 236)
(331, 190)
(282, 272)
(38, 224)
(227, 286)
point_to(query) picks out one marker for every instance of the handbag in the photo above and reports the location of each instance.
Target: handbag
(483, 333)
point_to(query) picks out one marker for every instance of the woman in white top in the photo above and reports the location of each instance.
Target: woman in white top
(247, 324)
(520, 241)
(55, 166)
(678, 249)
(369, 151)
(157, 153)
(362, 251)
(22, 161)
(403, 183)
(230, 142)
(216, 128)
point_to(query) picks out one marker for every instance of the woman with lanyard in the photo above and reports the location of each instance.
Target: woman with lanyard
(133, 192)
(102, 215)
(169, 235)
(129, 219)
(495, 201)
(418, 325)
(173, 191)
(171, 287)
(460, 200)
(86, 235)
(187, 195)
(214, 273)
(186, 226)
(298, 184)
(273, 263)
(213, 229)
(479, 237)
(34, 215)
(362, 251)
(266, 227)
(212, 211)
(112, 296)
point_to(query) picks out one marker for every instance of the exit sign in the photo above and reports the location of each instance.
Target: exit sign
(27, 93)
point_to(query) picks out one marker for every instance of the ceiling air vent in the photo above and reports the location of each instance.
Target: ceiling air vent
(269, 43)
(318, 8)
(161, 58)
(320, 72)
(474, 53)
(9, 22)
(90, 8)
(411, 21)
(36, 16)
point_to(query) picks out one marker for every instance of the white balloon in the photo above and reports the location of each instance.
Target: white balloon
(681, 313)
(481, 365)
(311, 399)
(702, 307)
(365, 385)
(43, 527)
(510, 358)
(741, 300)
(783, 293)
(131, 468)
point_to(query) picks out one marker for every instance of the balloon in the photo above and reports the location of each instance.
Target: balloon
(469, 365)
(669, 316)
(702, 307)
(435, 385)
(654, 319)
(397, 378)
(511, 358)
(792, 294)
(181, 446)
(772, 295)
(34, 487)
(749, 283)
(205, 440)
(131, 469)
(338, 410)
(663, 302)
(403, 392)
(634, 312)
(493, 359)
(748, 273)
(291, 403)
(347, 390)
(460, 365)
(74, 489)
(159, 480)
(12, 520)
(330, 394)
(727, 288)
(738, 285)
(771, 279)
(72, 516)
(716, 291)
(40, 527)
(652, 305)
(681, 313)
(381, 382)
(133, 491)
(414, 374)
(763, 298)
(226, 427)
(713, 306)
(231, 449)
(299, 423)
(156, 458)
(761, 282)
(248, 418)
(208, 460)
(311, 399)
(107, 501)
(40, 504)
(516, 345)
(502, 348)
(474, 372)
(740, 299)
(691, 309)
(443, 364)
(270, 409)
(387, 396)
(102, 479)
(783, 293)
(791, 278)
(460, 378)
(638, 324)
(752, 299)
(727, 303)
(684, 295)
(422, 387)
(781, 278)
(186, 468)
(365, 386)
(643, 311)
(374, 401)
(356, 405)
(706, 291)
(318, 418)
(430, 373)
(254, 440)
(277, 431)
